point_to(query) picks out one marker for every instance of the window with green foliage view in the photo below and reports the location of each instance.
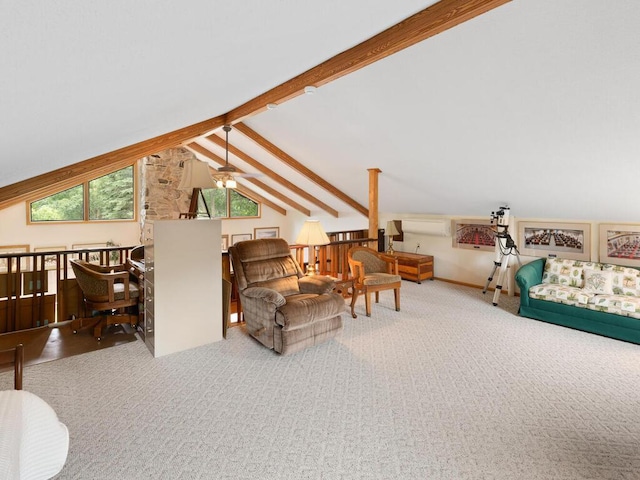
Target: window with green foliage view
(227, 203)
(64, 206)
(110, 197)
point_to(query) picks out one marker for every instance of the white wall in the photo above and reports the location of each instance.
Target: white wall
(459, 265)
(467, 266)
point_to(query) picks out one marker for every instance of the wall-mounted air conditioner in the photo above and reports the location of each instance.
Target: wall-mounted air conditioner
(427, 226)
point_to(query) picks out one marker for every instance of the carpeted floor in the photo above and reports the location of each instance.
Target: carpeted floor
(450, 388)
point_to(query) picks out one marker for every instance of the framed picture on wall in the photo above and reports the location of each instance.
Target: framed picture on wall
(240, 237)
(266, 232)
(620, 244)
(473, 234)
(93, 257)
(49, 260)
(549, 239)
(8, 249)
(225, 242)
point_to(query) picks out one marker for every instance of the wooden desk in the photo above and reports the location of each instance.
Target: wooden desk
(414, 266)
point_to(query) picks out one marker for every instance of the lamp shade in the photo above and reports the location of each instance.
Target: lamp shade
(196, 175)
(391, 229)
(312, 233)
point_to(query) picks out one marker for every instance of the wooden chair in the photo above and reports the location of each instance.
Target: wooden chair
(108, 291)
(373, 272)
(14, 355)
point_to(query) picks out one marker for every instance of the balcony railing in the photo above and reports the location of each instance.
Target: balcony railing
(332, 259)
(37, 288)
(40, 288)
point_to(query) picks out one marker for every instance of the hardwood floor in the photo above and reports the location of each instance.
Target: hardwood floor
(57, 341)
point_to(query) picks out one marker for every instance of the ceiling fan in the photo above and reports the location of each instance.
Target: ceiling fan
(225, 174)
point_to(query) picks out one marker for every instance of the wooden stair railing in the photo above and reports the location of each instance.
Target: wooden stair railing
(37, 288)
(331, 258)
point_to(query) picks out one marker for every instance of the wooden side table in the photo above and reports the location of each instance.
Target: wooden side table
(346, 288)
(414, 266)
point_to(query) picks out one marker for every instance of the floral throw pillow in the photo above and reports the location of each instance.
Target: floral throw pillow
(563, 272)
(598, 281)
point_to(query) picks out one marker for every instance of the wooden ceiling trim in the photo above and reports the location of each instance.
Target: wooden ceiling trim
(196, 147)
(299, 167)
(432, 20)
(52, 188)
(16, 192)
(273, 175)
(256, 196)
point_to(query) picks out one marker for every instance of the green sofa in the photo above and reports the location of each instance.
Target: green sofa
(554, 291)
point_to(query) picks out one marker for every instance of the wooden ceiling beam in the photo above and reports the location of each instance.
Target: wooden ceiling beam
(197, 148)
(16, 192)
(273, 175)
(420, 26)
(432, 20)
(299, 167)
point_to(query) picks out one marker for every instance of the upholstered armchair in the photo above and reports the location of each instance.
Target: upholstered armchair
(283, 309)
(372, 272)
(107, 291)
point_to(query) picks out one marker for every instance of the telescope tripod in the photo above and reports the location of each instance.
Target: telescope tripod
(506, 250)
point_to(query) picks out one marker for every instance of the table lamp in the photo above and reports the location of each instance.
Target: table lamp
(312, 234)
(195, 177)
(390, 231)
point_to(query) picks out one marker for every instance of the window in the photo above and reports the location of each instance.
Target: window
(64, 206)
(110, 197)
(227, 203)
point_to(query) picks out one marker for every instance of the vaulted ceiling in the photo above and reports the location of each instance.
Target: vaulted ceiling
(533, 103)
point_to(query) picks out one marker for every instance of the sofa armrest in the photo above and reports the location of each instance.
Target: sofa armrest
(266, 294)
(318, 284)
(527, 276)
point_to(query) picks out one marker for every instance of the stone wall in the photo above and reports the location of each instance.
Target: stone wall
(160, 175)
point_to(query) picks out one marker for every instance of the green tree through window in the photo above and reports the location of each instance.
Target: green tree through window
(66, 205)
(110, 197)
(227, 203)
(241, 206)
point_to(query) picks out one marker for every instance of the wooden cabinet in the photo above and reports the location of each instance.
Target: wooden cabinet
(183, 284)
(415, 267)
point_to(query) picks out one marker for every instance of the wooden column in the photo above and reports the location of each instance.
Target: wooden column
(373, 205)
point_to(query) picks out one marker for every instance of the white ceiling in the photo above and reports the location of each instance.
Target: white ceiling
(534, 104)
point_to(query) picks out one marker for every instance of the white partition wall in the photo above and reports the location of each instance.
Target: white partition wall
(183, 280)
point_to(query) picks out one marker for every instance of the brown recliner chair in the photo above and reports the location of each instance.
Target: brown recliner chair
(283, 309)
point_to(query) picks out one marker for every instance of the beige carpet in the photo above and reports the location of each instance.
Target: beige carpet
(451, 387)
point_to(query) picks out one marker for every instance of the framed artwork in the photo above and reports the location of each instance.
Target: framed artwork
(49, 260)
(473, 234)
(240, 237)
(620, 244)
(225, 242)
(93, 256)
(8, 249)
(549, 239)
(266, 232)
